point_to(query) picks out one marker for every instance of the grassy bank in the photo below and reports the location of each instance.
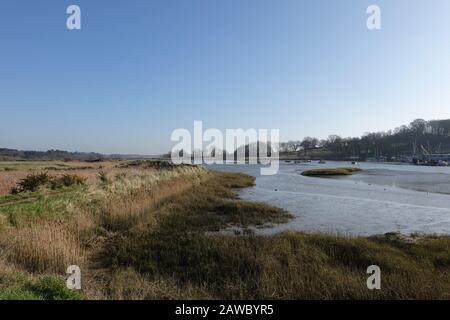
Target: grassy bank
(146, 233)
(330, 172)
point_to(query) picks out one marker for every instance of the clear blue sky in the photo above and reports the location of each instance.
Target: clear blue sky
(139, 69)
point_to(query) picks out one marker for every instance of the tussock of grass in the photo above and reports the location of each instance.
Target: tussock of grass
(330, 172)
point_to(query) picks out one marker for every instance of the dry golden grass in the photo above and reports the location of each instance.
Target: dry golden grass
(124, 213)
(129, 285)
(11, 172)
(9, 179)
(48, 247)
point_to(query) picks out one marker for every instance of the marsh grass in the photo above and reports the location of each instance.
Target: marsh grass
(285, 266)
(331, 172)
(151, 233)
(42, 248)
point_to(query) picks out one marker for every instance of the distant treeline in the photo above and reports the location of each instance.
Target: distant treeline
(12, 154)
(418, 137)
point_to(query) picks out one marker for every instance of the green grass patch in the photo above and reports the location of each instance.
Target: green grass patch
(30, 165)
(41, 288)
(27, 208)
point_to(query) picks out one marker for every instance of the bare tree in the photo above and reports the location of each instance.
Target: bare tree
(309, 143)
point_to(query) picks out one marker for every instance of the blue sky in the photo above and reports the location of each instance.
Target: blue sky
(139, 69)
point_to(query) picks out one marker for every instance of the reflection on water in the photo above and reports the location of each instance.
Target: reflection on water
(383, 198)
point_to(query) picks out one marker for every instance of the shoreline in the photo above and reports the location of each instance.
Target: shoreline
(352, 204)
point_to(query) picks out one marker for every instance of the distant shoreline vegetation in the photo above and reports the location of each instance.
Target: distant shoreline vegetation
(330, 172)
(401, 144)
(7, 154)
